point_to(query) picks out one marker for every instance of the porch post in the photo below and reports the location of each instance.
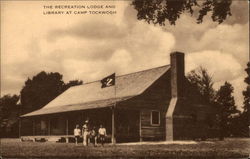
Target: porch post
(140, 126)
(49, 126)
(113, 139)
(19, 127)
(33, 127)
(67, 126)
(67, 130)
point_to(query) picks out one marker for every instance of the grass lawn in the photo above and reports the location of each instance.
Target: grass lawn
(229, 148)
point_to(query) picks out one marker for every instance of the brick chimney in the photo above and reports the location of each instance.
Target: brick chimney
(177, 87)
(177, 74)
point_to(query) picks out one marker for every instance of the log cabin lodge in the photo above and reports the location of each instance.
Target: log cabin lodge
(154, 104)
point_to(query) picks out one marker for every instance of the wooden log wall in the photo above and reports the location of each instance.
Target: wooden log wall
(149, 131)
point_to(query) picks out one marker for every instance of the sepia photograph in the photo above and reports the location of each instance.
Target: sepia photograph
(135, 79)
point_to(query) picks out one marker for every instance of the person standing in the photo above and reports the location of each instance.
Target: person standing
(77, 133)
(102, 134)
(93, 136)
(85, 133)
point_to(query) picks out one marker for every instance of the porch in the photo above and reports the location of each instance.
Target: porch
(122, 125)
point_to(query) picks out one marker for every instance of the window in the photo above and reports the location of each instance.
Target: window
(155, 117)
(43, 125)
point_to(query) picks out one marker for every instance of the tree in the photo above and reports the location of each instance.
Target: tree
(8, 115)
(43, 88)
(36, 93)
(239, 126)
(227, 108)
(40, 90)
(246, 93)
(245, 116)
(202, 81)
(158, 11)
(73, 83)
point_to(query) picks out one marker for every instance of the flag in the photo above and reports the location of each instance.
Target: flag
(108, 81)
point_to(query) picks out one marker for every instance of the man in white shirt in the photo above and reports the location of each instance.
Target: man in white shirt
(77, 133)
(102, 134)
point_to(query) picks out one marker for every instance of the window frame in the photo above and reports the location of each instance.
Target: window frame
(151, 117)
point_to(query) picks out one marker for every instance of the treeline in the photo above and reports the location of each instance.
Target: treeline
(44, 87)
(231, 121)
(36, 93)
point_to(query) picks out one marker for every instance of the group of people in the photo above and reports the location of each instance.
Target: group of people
(90, 134)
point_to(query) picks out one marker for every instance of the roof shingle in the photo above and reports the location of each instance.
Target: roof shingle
(91, 95)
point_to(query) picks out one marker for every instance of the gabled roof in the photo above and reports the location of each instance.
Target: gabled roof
(91, 95)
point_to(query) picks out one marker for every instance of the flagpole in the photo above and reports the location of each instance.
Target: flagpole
(115, 91)
(107, 82)
(113, 116)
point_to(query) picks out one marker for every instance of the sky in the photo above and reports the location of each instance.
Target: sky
(89, 47)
